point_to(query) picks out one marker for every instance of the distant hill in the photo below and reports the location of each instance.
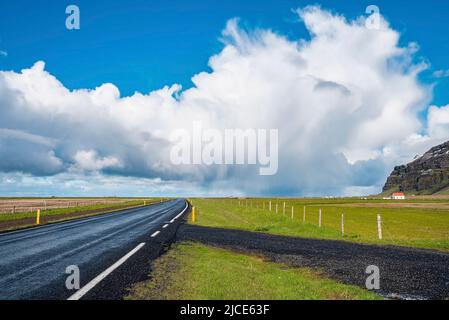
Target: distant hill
(428, 174)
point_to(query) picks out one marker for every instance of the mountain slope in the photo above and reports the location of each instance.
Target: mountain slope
(428, 174)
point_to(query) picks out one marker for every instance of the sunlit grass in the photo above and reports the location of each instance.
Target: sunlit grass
(191, 271)
(417, 227)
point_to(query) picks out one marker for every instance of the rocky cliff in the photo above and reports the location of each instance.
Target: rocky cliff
(425, 175)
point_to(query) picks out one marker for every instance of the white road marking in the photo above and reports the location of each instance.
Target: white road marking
(81, 292)
(82, 219)
(173, 220)
(165, 226)
(155, 234)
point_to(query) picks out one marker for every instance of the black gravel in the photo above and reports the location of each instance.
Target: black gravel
(405, 273)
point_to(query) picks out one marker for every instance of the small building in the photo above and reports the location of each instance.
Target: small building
(398, 196)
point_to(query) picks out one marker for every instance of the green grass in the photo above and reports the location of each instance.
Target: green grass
(415, 227)
(62, 211)
(191, 271)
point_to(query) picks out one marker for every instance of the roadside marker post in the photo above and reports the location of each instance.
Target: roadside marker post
(304, 215)
(293, 212)
(277, 208)
(38, 216)
(379, 226)
(193, 215)
(319, 218)
(283, 210)
(270, 206)
(343, 224)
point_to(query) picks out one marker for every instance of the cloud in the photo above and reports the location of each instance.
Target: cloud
(346, 103)
(88, 160)
(441, 74)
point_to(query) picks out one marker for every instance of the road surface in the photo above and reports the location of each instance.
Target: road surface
(33, 262)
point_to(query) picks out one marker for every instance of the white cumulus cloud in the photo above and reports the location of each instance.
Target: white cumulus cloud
(346, 103)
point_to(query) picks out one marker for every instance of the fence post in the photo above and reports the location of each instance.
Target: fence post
(304, 215)
(293, 212)
(38, 216)
(283, 210)
(270, 206)
(276, 208)
(319, 218)
(379, 226)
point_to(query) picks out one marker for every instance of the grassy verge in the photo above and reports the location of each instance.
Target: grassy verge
(10, 222)
(65, 211)
(415, 227)
(198, 272)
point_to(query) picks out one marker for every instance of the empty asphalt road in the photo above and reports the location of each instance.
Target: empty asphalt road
(33, 262)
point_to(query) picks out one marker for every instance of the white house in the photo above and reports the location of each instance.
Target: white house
(398, 196)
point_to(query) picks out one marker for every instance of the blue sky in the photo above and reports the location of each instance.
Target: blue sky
(142, 46)
(154, 43)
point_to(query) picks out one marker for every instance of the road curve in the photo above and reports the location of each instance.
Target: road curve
(33, 262)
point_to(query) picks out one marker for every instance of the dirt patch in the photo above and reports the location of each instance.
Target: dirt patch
(30, 222)
(11, 205)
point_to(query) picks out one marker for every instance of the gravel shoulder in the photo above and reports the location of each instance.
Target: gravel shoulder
(404, 272)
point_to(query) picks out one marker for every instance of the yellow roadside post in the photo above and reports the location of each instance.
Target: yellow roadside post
(193, 215)
(38, 216)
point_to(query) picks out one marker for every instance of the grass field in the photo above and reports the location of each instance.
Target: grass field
(63, 211)
(85, 207)
(198, 272)
(407, 224)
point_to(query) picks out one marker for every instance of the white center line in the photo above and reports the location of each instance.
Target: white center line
(155, 234)
(165, 226)
(81, 292)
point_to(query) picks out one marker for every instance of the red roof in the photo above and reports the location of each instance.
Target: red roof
(398, 194)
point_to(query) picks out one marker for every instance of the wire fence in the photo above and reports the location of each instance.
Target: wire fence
(23, 206)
